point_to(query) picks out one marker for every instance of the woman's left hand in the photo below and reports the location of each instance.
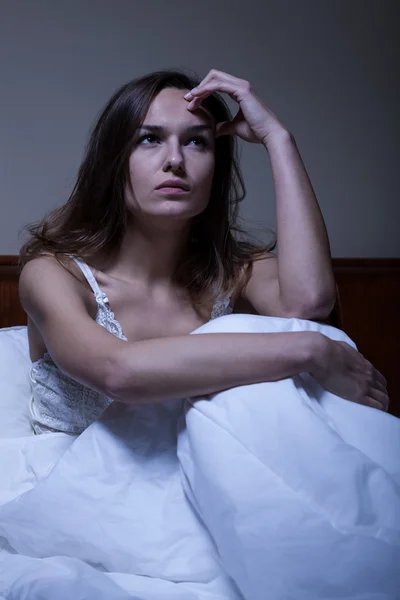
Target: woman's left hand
(253, 123)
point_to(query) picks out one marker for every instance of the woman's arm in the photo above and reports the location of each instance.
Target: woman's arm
(304, 260)
(299, 282)
(193, 365)
(176, 367)
(151, 370)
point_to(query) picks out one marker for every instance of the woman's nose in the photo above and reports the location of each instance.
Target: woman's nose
(174, 153)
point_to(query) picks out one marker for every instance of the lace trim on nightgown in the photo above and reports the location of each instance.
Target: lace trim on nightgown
(222, 307)
(59, 403)
(104, 315)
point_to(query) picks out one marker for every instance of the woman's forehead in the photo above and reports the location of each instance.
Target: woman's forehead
(170, 106)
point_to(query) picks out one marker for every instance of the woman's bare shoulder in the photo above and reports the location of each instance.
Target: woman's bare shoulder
(46, 274)
(49, 267)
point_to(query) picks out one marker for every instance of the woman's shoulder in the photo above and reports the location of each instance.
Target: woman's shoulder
(50, 267)
(48, 274)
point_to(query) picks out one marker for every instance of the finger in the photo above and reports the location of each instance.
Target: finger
(200, 93)
(200, 89)
(194, 105)
(380, 377)
(368, 401)
(380, 386)
(380, 397)
(217, 76)
(228, 127)
(232, 86)
(201, 108)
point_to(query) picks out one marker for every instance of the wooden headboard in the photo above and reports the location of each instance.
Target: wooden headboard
(11, 312)
(368, 310)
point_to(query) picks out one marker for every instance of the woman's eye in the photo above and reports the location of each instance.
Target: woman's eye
(145, 137)
(199, 139)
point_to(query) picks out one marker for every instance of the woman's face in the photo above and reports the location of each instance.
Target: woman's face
(183, 149)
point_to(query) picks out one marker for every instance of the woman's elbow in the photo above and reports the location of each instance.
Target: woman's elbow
(315, 310)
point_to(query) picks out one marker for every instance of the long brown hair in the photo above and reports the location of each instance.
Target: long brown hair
(94, 218)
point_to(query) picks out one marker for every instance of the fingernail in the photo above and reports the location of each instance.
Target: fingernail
(188, 96)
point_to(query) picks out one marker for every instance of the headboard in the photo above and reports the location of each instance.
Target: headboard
(11, 312)
(368, 310)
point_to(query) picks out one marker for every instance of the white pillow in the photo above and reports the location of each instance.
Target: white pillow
(15, 390)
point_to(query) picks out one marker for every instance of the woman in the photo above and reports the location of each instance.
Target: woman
(274, 490)
(145, 248)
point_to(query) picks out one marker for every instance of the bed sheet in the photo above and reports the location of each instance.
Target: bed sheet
(273, 490)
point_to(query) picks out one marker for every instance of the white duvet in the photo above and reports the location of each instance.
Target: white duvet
(271, 491)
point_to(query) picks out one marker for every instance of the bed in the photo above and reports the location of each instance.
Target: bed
(272, 490)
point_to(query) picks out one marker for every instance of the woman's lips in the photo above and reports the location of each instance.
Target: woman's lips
(172, 190)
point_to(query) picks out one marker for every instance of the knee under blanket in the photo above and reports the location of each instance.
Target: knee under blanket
(278, 491)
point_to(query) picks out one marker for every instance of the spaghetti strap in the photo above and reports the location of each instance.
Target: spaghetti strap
(104, 315)
(89, 277)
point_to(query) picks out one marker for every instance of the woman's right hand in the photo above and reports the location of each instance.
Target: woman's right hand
(345, 372)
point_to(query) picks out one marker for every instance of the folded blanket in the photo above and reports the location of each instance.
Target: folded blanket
(277, 490)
